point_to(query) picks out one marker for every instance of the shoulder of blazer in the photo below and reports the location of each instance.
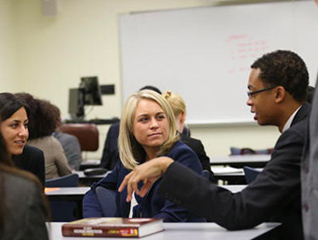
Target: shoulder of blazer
(302, 113)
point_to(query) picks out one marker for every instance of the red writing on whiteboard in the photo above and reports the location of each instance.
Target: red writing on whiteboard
(244, 49)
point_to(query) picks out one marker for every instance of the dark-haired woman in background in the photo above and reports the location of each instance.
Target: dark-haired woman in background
(14, 128)
(22, 206)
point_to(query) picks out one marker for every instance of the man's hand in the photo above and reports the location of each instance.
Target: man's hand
(148, 172)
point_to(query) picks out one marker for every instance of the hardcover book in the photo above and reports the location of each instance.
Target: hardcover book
(112, 227)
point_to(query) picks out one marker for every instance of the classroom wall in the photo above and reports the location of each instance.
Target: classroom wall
(82, 40)
(8, 56)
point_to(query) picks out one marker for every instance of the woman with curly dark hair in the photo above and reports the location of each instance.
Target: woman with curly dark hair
(42, 123)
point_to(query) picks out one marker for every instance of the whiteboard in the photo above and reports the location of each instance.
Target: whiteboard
(204, 54)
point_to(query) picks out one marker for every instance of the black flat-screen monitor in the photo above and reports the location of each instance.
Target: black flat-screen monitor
(76, 104)
(88, 93)
(91, 89)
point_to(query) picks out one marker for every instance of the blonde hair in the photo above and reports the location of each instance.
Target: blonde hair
(130, 151)
(176, 102)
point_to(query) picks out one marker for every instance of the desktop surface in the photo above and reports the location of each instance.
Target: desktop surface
(76, 194)
(64, 193)
(239, 161)
(97, 121)
(184, 231)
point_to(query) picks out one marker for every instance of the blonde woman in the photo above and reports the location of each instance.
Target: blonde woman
(178, 107)
(147, 131)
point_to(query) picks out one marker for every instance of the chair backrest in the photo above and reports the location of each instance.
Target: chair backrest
(250, 174)
(86, 133)
(107, 200)
(65, 181)
(243, 151)
(63, 211)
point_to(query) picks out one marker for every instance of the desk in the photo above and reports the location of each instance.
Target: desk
(230, 178)
(66, 193)
(229, 175)
(88, 180)
(76, 194)
(91, 163)
(70, 194)
(239, 161)
(185, 231)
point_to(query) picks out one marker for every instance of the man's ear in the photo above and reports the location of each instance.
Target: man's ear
(280, 94)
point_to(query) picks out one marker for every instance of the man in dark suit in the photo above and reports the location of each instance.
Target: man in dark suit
(309, 174)
(277, 90)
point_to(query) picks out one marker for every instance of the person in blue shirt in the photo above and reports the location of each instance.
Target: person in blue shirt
(147, 130)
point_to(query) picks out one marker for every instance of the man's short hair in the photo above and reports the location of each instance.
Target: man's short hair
(284, 68)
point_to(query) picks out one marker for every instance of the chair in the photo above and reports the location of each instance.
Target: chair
(88, 137)
(86, 133)
(250, 174)
(64, 211)
(64, 181)
(107, 200)
(243, 151)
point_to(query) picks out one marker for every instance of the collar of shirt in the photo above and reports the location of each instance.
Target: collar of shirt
(290, 120)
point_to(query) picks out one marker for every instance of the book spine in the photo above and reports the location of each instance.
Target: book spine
(74, 231)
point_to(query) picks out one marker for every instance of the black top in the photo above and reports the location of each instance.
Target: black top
(110, 155)
(197, 146)
(31, 160)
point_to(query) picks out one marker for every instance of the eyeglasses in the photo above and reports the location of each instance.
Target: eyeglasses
(250, 94)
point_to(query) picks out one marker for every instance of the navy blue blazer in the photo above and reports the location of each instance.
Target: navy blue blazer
(273, 196)
(152, 205)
